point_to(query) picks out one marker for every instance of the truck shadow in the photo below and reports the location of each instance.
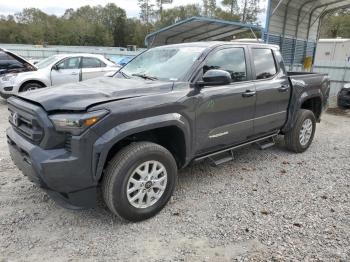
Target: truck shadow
(198, 175)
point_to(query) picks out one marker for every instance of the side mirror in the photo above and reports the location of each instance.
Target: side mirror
(56, 68)
(215, 77)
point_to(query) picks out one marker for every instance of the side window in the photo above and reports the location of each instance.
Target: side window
(264, 62)
(70, 63)
(91, 62)
(231, 60)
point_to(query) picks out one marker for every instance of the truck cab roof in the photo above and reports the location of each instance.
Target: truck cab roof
(213, 44)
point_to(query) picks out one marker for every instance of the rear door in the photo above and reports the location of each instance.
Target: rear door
(66, 71)
(273, 91)
(92, 67)
(224, 115)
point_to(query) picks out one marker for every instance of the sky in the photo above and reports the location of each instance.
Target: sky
(58, 7)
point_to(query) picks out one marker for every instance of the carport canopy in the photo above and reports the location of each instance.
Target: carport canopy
(197, 29)
(294, 25)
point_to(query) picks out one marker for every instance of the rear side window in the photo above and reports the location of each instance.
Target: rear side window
(231, 60)
(91, 62)
(264, 62)
(69, 63)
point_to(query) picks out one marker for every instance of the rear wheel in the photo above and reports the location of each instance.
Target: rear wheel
(300, 137)
(31, 86)
(139, 181)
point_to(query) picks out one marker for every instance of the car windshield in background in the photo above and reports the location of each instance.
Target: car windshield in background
(163, 63)
(46, 62)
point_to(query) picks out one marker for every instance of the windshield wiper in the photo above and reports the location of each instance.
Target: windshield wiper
(144, 76)
(124, 74)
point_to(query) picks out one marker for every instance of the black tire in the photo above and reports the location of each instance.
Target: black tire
(292, 139)
(31, 86)
(119, 170)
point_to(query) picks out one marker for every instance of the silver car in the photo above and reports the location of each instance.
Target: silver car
(56, 70)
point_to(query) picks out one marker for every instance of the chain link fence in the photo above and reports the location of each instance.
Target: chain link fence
(40, 52)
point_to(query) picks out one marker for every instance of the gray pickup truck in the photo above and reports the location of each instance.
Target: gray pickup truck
(170, 106)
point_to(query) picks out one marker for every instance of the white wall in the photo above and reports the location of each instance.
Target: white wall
(335, 51)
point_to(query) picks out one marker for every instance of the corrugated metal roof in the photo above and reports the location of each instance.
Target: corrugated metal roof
(295, 25)
(197, 29)
(300, 18)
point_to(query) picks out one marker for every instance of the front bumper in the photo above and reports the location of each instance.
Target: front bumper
(56, 171)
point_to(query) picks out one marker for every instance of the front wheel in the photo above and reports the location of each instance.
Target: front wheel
(30, 86)
(139, 181)
(300, 137)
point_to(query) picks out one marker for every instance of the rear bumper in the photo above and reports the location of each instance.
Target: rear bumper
(56, 171)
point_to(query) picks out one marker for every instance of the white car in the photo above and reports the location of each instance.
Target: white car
(56, 70)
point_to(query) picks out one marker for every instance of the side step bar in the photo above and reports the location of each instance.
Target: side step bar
(266, 143)
(219, 158)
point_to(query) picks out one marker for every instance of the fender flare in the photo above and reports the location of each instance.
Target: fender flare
(296, 103)
(104, 144)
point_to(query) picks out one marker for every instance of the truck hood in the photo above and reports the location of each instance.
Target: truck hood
(80, 96)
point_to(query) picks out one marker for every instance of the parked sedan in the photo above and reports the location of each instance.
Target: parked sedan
(56, 70)
(344, 96)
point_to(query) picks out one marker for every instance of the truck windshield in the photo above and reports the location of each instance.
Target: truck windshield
(162, 63)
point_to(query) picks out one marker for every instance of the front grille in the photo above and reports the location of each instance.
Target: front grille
(26, 124)
(67, 144)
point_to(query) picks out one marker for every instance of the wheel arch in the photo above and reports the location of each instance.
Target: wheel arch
(31, 81)
(166, 130)
(314, 104)
(312, 101)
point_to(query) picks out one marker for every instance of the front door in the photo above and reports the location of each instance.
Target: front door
(273, 91)
(66, 71)
(92, 67)
(224, 116)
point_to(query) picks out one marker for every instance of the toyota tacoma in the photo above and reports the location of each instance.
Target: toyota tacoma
(170, 106)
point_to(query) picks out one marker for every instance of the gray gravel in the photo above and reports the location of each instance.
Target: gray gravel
(264, 205)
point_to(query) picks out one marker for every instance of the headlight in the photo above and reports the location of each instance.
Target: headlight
(8, 77)
(76, 123)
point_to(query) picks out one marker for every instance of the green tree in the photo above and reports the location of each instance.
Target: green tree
(249, 11)
(209, 8)
(232, 6)
(178, 13)
(336, 25)
(160, 4)
(114, 19)
(146, 11)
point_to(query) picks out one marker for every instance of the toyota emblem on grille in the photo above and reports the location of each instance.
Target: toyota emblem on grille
(15, 119)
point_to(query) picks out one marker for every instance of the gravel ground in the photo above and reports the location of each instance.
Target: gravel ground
(264, 205)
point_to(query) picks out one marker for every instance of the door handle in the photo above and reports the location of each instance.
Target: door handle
(283, 88)
(249, 93)
(74, 74)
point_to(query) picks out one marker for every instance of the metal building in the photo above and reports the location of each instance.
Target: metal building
(294, 25)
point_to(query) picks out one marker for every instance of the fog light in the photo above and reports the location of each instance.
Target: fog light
(8, 88)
